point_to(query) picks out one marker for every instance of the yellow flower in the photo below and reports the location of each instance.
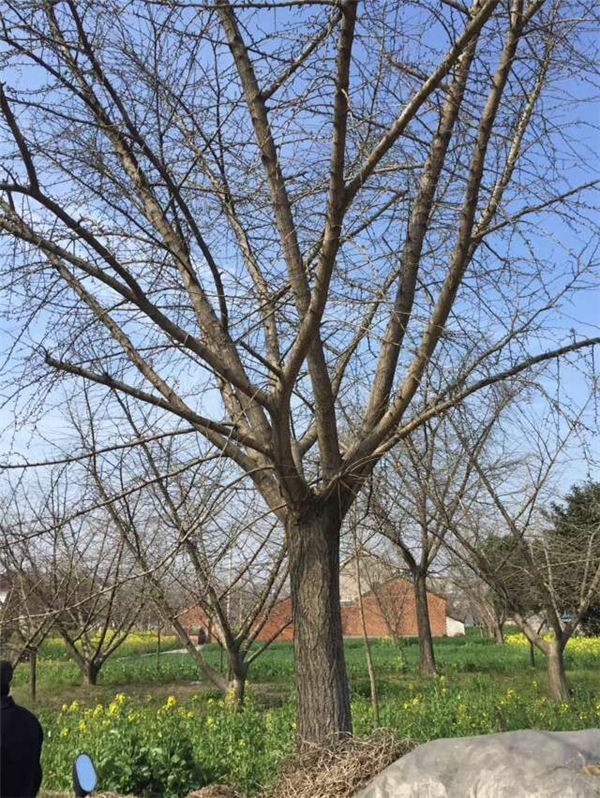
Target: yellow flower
(81, 725)
(230, 698)
(170, 702)
(120, 698)
(64, 732)
(64, 708)
(74, 706)
(210, 722)
(98, 710)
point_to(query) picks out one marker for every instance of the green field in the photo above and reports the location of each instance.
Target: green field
(162, 731)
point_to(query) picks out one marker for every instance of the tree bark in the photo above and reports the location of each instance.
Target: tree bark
(499, 632)
(426, 655)
(90, 672)
(239, 673)
(323, 697)
(557, 678)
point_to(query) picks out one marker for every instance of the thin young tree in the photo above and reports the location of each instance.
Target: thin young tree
(24, 621)
(76, 571)
(355, 531)
(427, 470)
(242, 215)
(479, 601)
(508, 540)
(182, 523)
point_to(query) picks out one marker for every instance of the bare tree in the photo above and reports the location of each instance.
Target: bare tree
(478, 600)
(75, 572)
(524, 564)
(243, 220)
(392, 599)
(24, 623)
(428, 471)
(181, 522)
(355, 528)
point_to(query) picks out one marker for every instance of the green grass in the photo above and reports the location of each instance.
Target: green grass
(53, 648)
(148, 744)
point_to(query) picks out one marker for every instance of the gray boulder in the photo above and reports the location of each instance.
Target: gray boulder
(518, 764)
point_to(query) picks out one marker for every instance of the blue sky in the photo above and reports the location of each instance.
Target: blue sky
(36, 436)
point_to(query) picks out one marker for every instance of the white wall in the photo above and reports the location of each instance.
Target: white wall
(454, 628)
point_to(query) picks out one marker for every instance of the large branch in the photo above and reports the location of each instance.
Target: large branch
(307, 340)
(438, 408)
(170, 235)
(264, 138)
(285, 225)
(222, 436)
(418, 226)
(129, 289)
(389, 138)
(462, 249)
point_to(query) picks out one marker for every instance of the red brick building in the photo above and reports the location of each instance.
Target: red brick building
(389, 612)
(388, 602)
(193, 619)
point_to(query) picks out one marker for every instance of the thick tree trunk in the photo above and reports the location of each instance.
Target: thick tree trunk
(426, 655)
(557, 678)
(323, 699)
(90, 672)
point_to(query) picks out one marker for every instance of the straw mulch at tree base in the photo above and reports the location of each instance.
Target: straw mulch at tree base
(340, 771)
